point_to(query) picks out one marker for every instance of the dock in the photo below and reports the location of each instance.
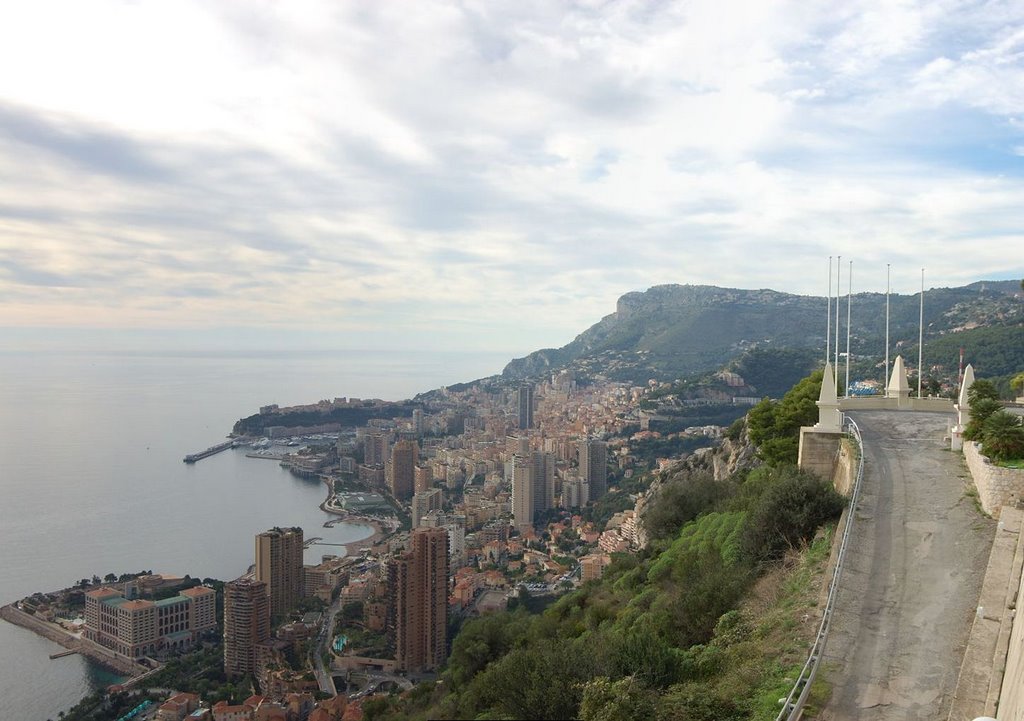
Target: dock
(193, 457)
(62, 654)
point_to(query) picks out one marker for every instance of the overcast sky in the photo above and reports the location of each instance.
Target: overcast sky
(485, 174)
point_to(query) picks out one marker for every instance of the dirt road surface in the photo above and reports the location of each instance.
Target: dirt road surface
(912, 577)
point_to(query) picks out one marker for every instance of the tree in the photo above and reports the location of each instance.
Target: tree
(981, 388)
(110, 578)
(981, 409)
(1017, 383)
(1002, 437)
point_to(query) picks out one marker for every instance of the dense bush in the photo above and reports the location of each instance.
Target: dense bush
(792, 507)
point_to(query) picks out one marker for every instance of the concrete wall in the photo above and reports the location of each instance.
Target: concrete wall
(997, 487)
(1011, 696)
(880, 403)
(845, 472)
(818, 451)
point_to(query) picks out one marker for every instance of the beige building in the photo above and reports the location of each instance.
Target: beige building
(401, 482)
(279, 565)
(423, 503)
(246, 625)
(133, 627)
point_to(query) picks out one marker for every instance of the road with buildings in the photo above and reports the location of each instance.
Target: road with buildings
(912, 577)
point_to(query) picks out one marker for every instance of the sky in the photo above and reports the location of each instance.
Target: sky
(487, 175)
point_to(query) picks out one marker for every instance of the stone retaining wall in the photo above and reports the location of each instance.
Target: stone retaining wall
(997, 487)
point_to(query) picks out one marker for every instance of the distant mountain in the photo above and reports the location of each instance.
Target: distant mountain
(675, 331)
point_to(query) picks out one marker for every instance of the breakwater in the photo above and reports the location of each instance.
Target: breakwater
(58, 635)
(193, 457)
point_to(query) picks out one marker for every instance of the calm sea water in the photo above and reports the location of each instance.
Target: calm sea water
(92, 481)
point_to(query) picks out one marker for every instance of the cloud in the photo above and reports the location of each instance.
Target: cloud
(510, 167)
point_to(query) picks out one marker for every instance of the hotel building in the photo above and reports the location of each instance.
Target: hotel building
(133, 627)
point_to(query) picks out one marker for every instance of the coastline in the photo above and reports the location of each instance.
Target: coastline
(380, 532)
(52, 632)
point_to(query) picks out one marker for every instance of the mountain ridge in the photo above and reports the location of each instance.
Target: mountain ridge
(671, 331)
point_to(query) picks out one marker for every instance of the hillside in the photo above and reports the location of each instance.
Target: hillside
(675, 331)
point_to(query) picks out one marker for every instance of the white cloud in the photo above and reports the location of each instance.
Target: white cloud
(507, 166)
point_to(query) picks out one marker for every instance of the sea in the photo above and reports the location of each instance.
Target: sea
(92, 479)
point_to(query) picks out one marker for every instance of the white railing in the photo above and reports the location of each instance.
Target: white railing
(793, 705)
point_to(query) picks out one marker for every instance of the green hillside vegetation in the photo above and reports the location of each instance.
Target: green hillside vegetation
(673, 331)
(703, 624)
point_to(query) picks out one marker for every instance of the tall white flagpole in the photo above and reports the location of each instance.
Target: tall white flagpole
(828, 315)
(849, 300)
(839, 269)
(885, 379)
(920, 340)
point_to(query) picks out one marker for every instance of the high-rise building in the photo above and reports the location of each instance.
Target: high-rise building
(418, 596)
(403, 469)
(533, 487)
(417, 421)
(526, 406)
(522, 493)
(575, 493)
(423, 478)
(594, 466)
(279, 565)
(543, 481)
(246, 625)
(375, 447)
(423, 503)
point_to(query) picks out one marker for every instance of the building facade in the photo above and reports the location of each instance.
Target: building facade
(525, 406)
(418, 596)
(279, 566)
(594, 466)
(404, 455)
(134, 628)
(246, 625)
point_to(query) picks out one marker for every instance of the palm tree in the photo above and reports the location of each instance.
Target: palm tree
(1003, 437)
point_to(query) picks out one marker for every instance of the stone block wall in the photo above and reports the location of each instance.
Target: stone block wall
(997, 487)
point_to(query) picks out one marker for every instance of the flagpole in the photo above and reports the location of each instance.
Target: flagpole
(885, 379)
(920, 340)
(849, 300)
(828, 314)
(839, 269)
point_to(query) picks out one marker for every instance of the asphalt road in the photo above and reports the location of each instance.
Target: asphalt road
(912, 577)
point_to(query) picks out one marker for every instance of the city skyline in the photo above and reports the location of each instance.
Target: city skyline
(280, 177)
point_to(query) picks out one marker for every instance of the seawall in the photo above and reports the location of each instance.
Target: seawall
(97, 653)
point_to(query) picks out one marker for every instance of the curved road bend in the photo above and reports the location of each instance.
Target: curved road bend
(912, 577)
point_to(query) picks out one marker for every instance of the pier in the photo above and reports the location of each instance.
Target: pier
(193, 457)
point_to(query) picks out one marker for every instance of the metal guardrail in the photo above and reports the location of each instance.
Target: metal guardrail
(792, 709)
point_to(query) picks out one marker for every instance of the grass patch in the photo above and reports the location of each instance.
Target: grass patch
(1013, 463)
(784, 612)
(971, 492)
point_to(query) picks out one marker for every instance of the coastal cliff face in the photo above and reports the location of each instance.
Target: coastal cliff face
(670, 331)
(721, 461)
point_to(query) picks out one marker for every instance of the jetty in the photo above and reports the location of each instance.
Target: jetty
(193, 457)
